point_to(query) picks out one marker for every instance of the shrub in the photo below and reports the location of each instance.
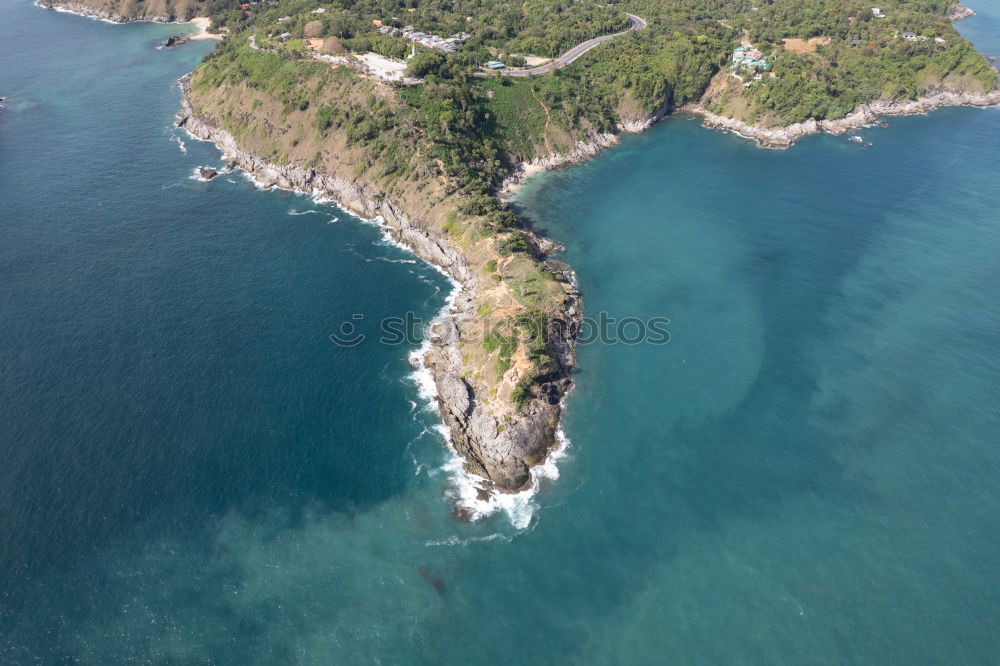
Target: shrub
(425, 63)
(333, 46)
(313, 29)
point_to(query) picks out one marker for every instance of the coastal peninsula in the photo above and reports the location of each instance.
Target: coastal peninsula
(302, 97)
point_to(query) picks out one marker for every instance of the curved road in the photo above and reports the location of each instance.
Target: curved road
(575, 52)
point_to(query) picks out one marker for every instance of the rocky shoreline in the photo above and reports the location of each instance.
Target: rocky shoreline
(499, 449)
(500, 455)
(91, 12)
(959, 12)
(865, 115)
(581, 152)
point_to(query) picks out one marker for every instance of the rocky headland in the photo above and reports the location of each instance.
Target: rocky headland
(160, 14)
(502, 409)
(865, 115)
(499, 444)
(959, 12)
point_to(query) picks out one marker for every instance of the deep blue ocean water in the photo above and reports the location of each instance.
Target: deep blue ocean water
(808, 473)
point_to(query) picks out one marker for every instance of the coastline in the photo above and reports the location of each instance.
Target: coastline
(500, 464)
(532, 439)
(203, 23)
(584, 150)
(81, 9)
(581, 152)
(863, 116)
(960, 12)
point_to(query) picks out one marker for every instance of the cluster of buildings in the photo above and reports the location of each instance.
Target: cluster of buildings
(914, 37)
(247, 5)
(446, 44)
(749, 57)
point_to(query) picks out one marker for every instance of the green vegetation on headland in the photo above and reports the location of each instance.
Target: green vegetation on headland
(431, 149)
(439, 145)
(828, 58)
(825, 58)
(441, 148)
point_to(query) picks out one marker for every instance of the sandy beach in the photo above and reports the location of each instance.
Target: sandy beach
(203, 23)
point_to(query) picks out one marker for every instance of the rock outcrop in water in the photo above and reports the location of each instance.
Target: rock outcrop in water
(173, 41)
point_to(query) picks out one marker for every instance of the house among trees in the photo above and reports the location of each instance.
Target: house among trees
(751, 58)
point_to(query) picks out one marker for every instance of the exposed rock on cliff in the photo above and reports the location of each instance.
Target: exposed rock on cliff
(866, 114)
(127, 11)
(959, 12)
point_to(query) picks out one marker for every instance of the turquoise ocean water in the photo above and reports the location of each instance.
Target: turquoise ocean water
(808, 473)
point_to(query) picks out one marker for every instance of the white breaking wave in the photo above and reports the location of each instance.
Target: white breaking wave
(303, 212)
(180, 144)
(519, 507)
(455, 540)
(63, 10)
(396, 261)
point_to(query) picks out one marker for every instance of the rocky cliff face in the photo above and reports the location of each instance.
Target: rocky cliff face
(499, 447)
(637, 123)
(587, 148)
(959, 12)
(501, 452)
(866, 114)
(124, 12)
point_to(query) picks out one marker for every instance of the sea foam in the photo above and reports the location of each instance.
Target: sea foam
(519, 507)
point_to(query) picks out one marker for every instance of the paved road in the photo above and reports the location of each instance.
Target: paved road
(575, 52)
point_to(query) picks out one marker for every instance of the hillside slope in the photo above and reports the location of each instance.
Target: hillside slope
(125, 11)
(503, 357)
